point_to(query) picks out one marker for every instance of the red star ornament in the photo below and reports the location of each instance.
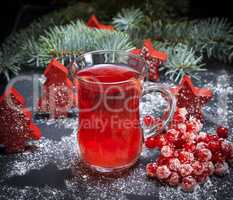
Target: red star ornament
(153, 57)
(93, 22)
(17, 128)
(192, 98)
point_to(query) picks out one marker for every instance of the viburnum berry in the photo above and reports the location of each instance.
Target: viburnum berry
(162, 141)
(194, 125)
(174, 179)
(204, 155)
(162, 172)
(201, 137)
(182, 111)
(162, 160)
(221, 169)
(198, 168)
(212, 138)
(222, 132)
(178, 118)
(186, 157)
(225, 147)
(190, 147)
(151, 169)
(218, 157)
(209, 167)
(188, 183)
(151, 142)
(188, 137)
(172, 135)
(201, 145)
(149, 120)
(182, 127)
(185, 170)
(202, 178)
(166, 151)
(174, 164)
(214, 146)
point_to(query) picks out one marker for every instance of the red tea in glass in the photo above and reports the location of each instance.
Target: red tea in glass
(110, 85)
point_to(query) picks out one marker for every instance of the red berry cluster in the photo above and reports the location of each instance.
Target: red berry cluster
(188, 156)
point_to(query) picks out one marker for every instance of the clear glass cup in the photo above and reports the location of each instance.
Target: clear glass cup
(110, 87)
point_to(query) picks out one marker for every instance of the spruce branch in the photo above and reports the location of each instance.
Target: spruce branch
(74, 39)
(181, 60)
(214, 38)
(128, 19)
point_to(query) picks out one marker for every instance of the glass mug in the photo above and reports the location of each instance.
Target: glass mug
(110, 86)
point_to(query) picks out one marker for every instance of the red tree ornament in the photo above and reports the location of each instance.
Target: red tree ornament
(153, 57)
(93, 22)
(192, 98)
(57, 92)
(17, 128)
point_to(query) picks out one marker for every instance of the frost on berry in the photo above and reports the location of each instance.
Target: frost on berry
(209, 167)
(186, 157)
(190, 147)
(174, 179)
(194, 125)
(198, 168)
(189, 137)
(185, 170)
(201, 137)
(218, 157)
(182, 111)
(204, 154)
(151, 169)
(166, 151)
(201, 145)
(221, 169)
(181, 127)
(163, 172)
(174, 164)
(188, 184)
(214, 146)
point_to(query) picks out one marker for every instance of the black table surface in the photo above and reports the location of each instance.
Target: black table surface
(54, 171)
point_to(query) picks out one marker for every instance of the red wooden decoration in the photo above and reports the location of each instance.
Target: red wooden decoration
(153, 57)
(93, 22)
(17, 128)
(57, 92)
(192, 98)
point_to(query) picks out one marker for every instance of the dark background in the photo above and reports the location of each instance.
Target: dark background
(11, 10)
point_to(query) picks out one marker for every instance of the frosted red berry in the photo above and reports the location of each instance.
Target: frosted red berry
(151, 169)
(151, 142)
(166, 151)
(221, 169)
(209, 168)
(186, 157)
(174, 179)
(163, 172)
(204, 155)
(149, 120)
(218, 157)
(174, 164)
(188, 183)
(185, 170)
(190, 147)
(222, 132)
(214, 146)
(198, 168)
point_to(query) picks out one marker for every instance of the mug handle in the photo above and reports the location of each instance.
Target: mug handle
(171, 106)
